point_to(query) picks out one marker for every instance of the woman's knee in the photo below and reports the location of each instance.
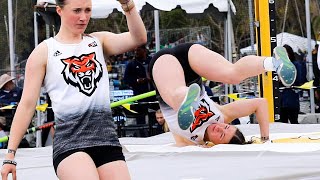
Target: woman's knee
(196, 49)
(261, 101)
(233, 76)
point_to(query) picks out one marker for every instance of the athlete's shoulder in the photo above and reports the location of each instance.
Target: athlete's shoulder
(40, 52)
(41, 48)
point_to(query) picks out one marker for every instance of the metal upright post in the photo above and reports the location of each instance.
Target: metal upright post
(11, 41)
(309, 57)
(230, 58)
(157, 29)
(251, 25)
(36, 42)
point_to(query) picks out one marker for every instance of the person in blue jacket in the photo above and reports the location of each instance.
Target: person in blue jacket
(10, 94)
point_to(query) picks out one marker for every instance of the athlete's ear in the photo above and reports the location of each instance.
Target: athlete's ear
(58, 10)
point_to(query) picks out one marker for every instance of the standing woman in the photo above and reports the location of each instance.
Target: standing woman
(72, 68)
(290, 98)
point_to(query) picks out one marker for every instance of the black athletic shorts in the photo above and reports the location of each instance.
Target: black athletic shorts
(99, 154)
(181, 53)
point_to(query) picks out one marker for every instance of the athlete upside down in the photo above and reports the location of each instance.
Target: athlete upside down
(192, 116)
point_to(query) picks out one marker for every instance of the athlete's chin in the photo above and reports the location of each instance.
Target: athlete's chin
(81, 29)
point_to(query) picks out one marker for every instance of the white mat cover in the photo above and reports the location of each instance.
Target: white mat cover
(157, 158)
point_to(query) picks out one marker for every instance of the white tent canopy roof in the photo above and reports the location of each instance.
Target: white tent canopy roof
(102, 8)
(294, 41)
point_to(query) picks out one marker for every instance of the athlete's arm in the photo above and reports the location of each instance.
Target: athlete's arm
(247, 107)
(34, 74)
(35, 71)
(181, 141)
(119, 43)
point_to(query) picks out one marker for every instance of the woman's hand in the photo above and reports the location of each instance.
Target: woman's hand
(7, 169)
(126, 5)
(261, 140)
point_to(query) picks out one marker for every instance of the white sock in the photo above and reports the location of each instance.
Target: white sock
(268, 64)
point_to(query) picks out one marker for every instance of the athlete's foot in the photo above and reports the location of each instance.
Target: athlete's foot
(283, 66)
(185, 112)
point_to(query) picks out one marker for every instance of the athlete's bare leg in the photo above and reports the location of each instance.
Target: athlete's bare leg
(169, 78)
(79, 162)
(116, 170)
(215, 67)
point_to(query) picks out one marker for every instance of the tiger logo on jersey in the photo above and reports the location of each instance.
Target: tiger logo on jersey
(201, 115)
(83, 72)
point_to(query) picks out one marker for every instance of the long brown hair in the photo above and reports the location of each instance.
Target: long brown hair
(61, 3)
(238, 138)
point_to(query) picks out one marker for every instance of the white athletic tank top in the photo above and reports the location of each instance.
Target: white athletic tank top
(77, 82)
(207, 113)
(74, 73)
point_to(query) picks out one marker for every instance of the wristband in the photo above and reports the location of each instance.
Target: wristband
(9, 162)
(264, 138)
(11, 151)
(127, 5)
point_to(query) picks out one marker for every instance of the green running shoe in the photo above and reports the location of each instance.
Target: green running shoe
(285, 69)
(185, 112)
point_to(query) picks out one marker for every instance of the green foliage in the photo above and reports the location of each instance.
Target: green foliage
(173, 19)
(22, 30)
(4, 46)
(24, 39)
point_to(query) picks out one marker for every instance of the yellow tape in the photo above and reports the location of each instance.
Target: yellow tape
(42, 107)
(235, 97)
(127, 106)
(8, 107)
(310, 138)
(296, 140)
(307, 85)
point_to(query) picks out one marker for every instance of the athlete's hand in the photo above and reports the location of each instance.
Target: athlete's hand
(126, 5)
(6, 170)
(257, 140)
(123, 1)
(207, 144)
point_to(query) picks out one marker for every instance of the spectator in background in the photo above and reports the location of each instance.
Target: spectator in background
(290, 104)
(201, 39)
(3, 131)
(136, 78)
(315, 66)
(123, 59)
(161, 125)
(316, 78)
(136, 72)
(9, 92)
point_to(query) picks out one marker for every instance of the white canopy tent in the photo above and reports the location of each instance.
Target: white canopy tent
(294, 41)
(102, 8)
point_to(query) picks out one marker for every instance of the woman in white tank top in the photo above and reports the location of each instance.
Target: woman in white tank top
(192, 116)
(71, 66)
